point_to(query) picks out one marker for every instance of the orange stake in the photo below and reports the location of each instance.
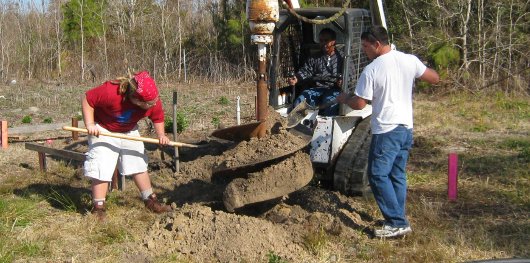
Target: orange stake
(3, 133)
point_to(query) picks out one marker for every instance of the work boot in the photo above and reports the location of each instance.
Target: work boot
(99, 211)
(153, 205)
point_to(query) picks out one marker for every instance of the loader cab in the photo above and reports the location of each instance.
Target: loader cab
(295, 41)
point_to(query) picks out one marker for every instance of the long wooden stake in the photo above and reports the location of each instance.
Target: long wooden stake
(132, 138)
(75, 135)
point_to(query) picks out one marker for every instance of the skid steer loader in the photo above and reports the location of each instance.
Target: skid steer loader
(339, 145)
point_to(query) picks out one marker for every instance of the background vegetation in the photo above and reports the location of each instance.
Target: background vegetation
(476, 44)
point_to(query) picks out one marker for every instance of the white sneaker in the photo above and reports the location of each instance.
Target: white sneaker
(389, 231)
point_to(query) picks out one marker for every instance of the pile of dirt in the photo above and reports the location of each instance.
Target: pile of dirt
(205, 234)
(256, 150)
(202, 234)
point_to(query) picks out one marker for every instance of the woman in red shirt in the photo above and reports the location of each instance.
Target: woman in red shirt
(117, 106)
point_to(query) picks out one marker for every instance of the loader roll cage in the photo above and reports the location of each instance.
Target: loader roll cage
(295, 41)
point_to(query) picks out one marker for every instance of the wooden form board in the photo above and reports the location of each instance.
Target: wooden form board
(42, 150)
(67, 154)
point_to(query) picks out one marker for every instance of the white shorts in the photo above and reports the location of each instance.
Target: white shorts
(105, 152)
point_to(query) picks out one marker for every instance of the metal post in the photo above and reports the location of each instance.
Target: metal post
(3, 134)
(176, 154)
(262, 92)
(75, 135)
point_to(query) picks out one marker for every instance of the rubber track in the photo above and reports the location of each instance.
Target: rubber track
(350, 177)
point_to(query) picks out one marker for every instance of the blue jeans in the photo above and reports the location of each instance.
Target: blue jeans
(319, 96)
(387, 161)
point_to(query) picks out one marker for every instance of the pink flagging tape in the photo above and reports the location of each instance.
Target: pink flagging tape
(452, 177)
(3, 134)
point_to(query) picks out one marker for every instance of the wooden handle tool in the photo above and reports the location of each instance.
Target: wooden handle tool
(133, 138)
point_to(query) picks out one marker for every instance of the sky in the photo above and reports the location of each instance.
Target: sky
(26, 4)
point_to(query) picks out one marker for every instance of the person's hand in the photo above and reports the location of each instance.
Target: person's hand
(343, 98)
(292, 80)
(92, 129)
(163, 140)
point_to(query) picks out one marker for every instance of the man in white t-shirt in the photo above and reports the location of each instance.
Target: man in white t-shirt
(387, 82)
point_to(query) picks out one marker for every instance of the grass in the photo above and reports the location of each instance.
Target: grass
(111, 234)
(494, 180)
(17, 214)
(274, 258)
(315, 241)
(223, 100)
(47, 120)
(62, 200)
(489, 132)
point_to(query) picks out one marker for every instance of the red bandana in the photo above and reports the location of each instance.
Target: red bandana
(146, 89)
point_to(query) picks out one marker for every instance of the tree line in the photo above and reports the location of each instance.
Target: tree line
(476, 44)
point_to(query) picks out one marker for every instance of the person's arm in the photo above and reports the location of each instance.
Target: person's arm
(88, 117)
(355, 102)
(430, 76)
(161, 133)
(307, 70)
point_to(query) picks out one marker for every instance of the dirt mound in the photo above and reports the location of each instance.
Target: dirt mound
(256, 150)
(274, 181)
(202, 234)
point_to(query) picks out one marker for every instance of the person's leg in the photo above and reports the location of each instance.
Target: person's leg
(99, 189)
(143, 182)
(133, 161)
(398, 174)
(383, 151)
(329, 96)
(311, 96)
(99, 166)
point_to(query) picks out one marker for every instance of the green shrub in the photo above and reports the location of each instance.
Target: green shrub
(445, 55)
(27, 119)
(273, 258)
(182, 122)
(48, 120)
(223, 100)
(216, 121)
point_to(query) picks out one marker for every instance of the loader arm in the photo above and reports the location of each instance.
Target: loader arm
(378, 14)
